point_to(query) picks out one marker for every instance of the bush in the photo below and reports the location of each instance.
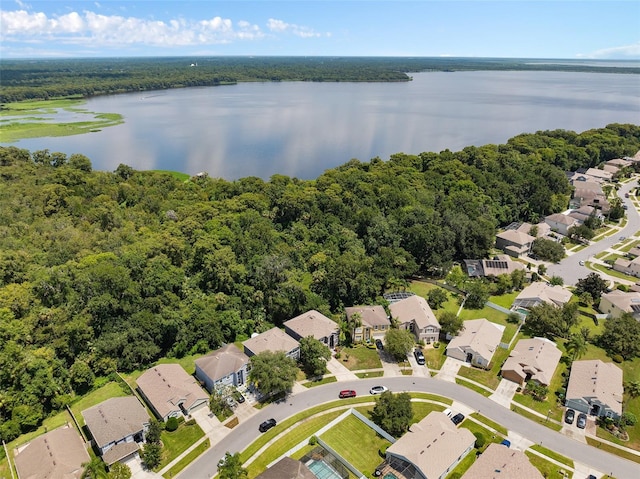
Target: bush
(313, 440)
(617, 358)
(436, 345)
(382, 452)
(629, 419)
(190, 422)
(172, 424)
(480, 440)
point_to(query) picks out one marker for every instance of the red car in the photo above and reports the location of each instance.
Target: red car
(347, 393)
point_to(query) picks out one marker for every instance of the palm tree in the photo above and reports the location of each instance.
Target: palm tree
(94, 469)
(576, 346)
(632, 388)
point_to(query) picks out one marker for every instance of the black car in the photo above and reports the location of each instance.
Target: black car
(239, 397)
(457, 419)
(268, 424)
(569, 416)
(379, 344)
(419, 356)
(582, 420)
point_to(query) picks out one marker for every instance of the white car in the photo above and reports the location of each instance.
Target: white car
(448, 412)
(581, 263)
(378, 389)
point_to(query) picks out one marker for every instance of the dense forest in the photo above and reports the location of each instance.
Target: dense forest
(112, 270)
(46, 79)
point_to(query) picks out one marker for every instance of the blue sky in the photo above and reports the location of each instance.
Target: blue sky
(509, 28)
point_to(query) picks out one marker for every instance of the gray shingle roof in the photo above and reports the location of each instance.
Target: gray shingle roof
(273, 340)
(312, 323)
(115, 419)
(222, 362)
(596, 379)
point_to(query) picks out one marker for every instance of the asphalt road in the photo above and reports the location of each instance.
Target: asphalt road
(569, 269)
(245, 433)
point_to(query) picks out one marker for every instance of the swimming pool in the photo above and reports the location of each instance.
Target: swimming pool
(390, 475)
(322, 470)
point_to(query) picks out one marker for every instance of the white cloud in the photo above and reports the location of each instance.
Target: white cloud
(621, 52)
(96, 29)
(278, 26)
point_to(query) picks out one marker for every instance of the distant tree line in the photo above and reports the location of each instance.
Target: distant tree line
(105, 271)
(47, 79)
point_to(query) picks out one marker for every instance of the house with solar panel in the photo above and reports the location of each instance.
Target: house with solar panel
(616, 303)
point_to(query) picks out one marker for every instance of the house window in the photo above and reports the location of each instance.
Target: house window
(375, 327)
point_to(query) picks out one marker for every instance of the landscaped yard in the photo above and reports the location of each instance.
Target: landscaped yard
(547, 468)
(494, 316)
(434, 357)
(178, 441)
(489, 377)
(363, 453)
(360, 357)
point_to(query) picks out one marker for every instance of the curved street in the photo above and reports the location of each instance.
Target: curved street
(569, 268)
(246, 432)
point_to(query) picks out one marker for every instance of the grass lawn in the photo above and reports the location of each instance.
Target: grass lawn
(188, 459)
(489, 377)
(505, 300)
(612, 450)
(533, 417)
(360, 357)
(370, 374)
(613, 272)
(628, 247)
(324, 380)
(553, 455)
(421, 409)
(472, 386)
(301, 432)
(494, 316)
(501, 429)
(546, 468)
(364, 456)
(176, 442)
(435, 357)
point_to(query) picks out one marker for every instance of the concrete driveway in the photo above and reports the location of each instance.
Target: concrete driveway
(340, 371)
(389, 365)
(504, 392)
(449, 370)
(139, 472)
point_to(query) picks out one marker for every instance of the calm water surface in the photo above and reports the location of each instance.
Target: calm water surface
(302, 129)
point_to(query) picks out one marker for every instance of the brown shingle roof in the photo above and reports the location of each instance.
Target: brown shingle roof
(536, 356)
(414, 308)
(287, 468)
(312, 323)
(222, 362)
(273, 340)
(500, 462)
(433, 444)
(167, 385)
(58, 454)
(115, 419)
(370, 315)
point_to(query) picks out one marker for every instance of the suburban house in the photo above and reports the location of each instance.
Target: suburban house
(60, 453)
(431, 448)
(542, 229)
(314, 324)
(499, 264)
(514, 243)
(595, 388)
(274, 340)
(560, 223)
(599, 175)
(534, 359)
(476, 343)
(583, 213)
(618, 162)
(170, 391)
(414, 313)
(287, 468)
(117, 425)
(617, 302)
(498, 461)
(374, 322)
(538, 293)
(630, 267)
(227, 366)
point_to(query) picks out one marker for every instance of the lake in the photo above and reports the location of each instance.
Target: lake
(301, 129)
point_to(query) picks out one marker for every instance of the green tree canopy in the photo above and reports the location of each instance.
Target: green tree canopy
(272, 372)
(230, 467)
(593, 284)
(450, 323)
(393, 412)
(314, 356)
(399, 343)
(621, 336)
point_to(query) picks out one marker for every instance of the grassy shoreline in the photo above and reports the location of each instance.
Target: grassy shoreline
(25, 119)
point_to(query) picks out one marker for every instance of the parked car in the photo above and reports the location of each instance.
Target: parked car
(448, 412)
(581, 263)
(506, 442)
(569, 416)
(268, 424)
(379, 345)
(347, 393)
(457, 419)
(238, 397)
(419, 356)
(378, 389)
(582, 420)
